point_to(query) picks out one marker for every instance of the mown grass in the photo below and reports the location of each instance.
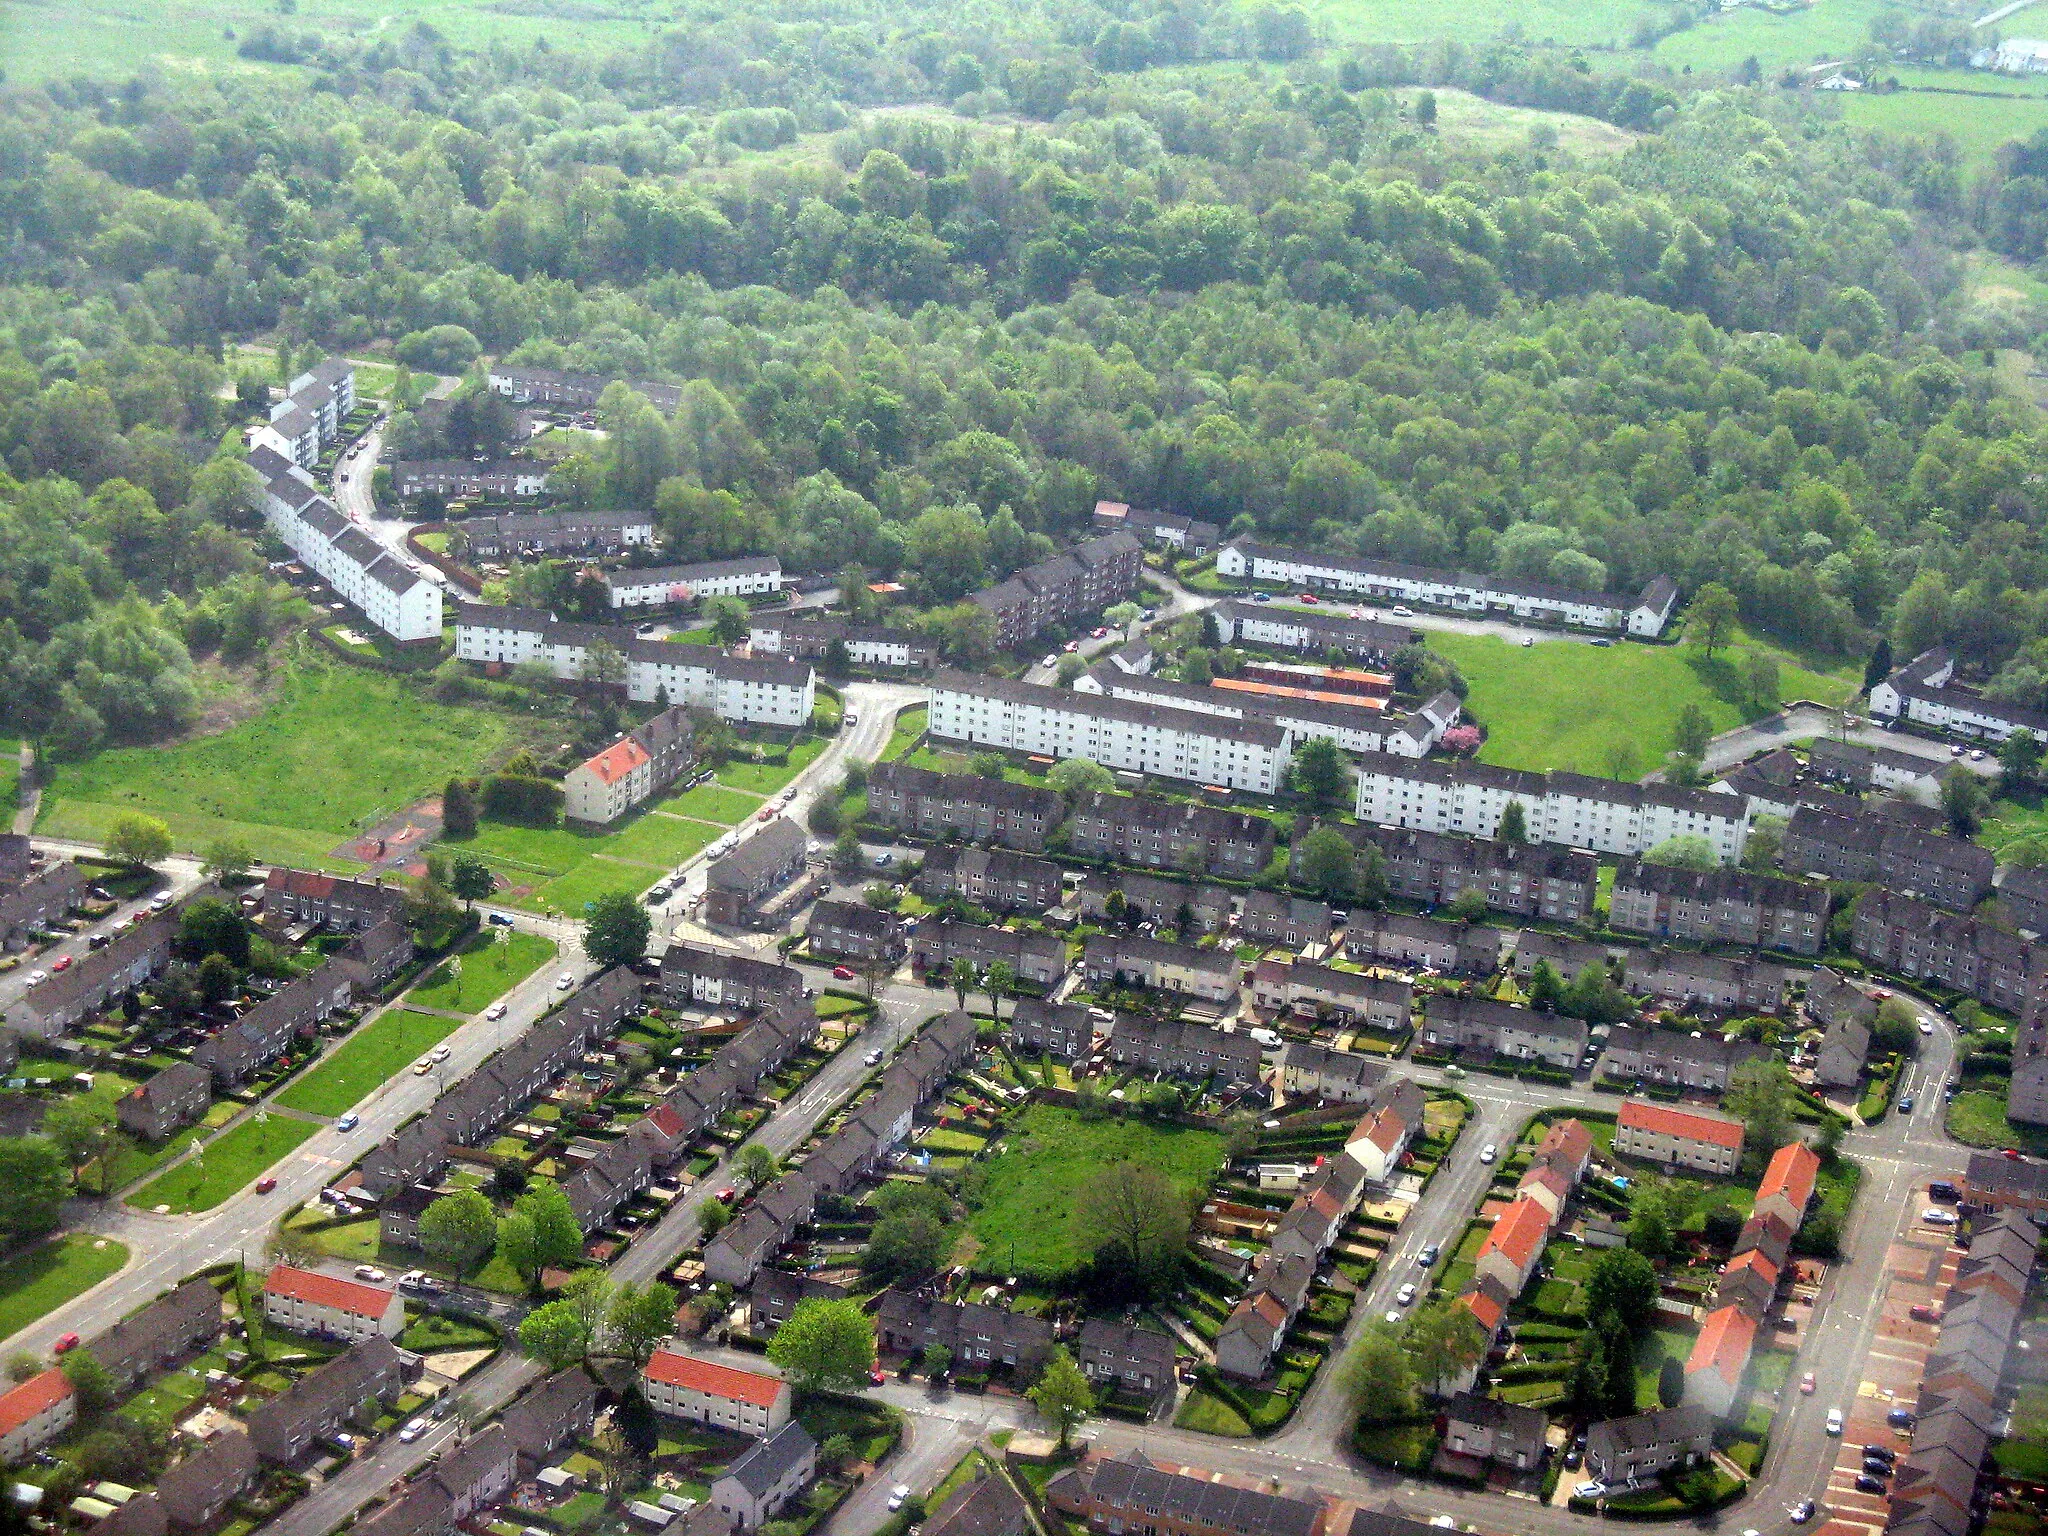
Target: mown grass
(366, 1060)
(712, 802)
(228, 1163)
(910, 724)
(766, 778)
(1561, 705)
(36, 1283)
(489, 967)
(587, 882)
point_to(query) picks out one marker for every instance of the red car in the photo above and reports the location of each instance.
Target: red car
(265, 1185)
(842, 973)
(1310, 597)
(64, 1343)
(62, 963)
(725, 1196)
(1806, 1384)
(876, 1376)
(767, 814)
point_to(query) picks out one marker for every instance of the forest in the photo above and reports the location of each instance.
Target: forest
(933, 287)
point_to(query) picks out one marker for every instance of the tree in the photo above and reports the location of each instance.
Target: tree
(938, 1360)
(827, 816)
(1760, 1096)
(1963, 799)
(2019, 756)
(471, 879)
(1197, 667)
(1688, 850)
(83, 1129)
(1379, 1376)
(1443, 1341)
(729, 618)
(556, 1334)
(1133, 1223)
(1078, 777)
(997, 981)
(1062, 1395)
(1069, 667)
(757, 1164)
(519, 1246)
(1618, 1392)
(1760, 848)
(1467, 906)
(1693, 731)
(904, 1247)
(1425, 108)
(964, 976)
(1657, 1209)
(1760, 676)
(1514, 823)
(712, 1218)
(459, 1229)
(90, 1380)
(226, 858)
(1620, 759)
(138, 840)
(1589, 1377)
(1328, 863)
(619, 1463)
(1622, 1281)
(1711, 619)
(1896, 1028)
(988, 765)
(825, 1346)
(837, 1451)
(617, 931)
(1671, 1382)
(216, 978)
(212, 927)
(1320, 772)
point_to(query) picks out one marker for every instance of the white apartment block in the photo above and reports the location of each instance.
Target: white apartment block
(762, 690)
(400, 602)
(661, 585)
(745, 1402)
(1356, 727)
(1925, 692)
(35, 1413)
(307, 1301)
(1122, 734)
(1605, 815)
(311, 414)
(1459, 591)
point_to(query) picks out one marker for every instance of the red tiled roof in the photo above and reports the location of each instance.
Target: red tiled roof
(618, 760)
(713, 1380)
(667, 1121)
(300, 882)
(1715, 1130)
(1723, 1345)
(1267, 1305)
(1753, 1260)
(1550, 1178)
(1384, 1129)
(1484, 1307)
(1520, 1233)
(1793, 1171)
(350, 1296)
(1569, 1142)
(32, 1397)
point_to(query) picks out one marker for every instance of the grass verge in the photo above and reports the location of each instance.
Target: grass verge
(36, 1283)
(228, 1162)
(365, 1061)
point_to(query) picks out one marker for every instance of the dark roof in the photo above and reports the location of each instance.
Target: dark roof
(984, 1505)
(767, 1462)
(672, 575)
(1133, 1482)
(766, 851)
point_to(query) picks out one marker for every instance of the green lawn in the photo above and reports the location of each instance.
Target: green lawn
(36, 1283)
(366, 1059)
(586, 883)
(910, 724)
(1560, 705)
(225, 1164)
(1977, 1119)
(1978, 125)
(660, 841)
(713, 802)
(763, 779)
(10, 773)
(337, 748)
(1025, 1218)
(486, 968)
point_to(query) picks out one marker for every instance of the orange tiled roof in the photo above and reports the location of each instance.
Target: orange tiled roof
(1753, 1260)
(618, 760)
(1723, 1345)
(1667, 1121)
(713, 1380)
(1568, 1142)
(32, 1397)
(1484, 1307)
(1520, 1233)
(1793, 1171)
(350, 1296)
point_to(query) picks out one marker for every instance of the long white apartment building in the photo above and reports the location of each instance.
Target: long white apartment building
(1925, 692)
(310, 415)
(1118, 733)
(1459, 591)
(363, 573)
(1605, 815)
(658, 586)
(1354, 727)
(761, 690)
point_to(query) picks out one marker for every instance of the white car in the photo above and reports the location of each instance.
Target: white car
(1935, 1216)
(369, 1272)
(35, 977)
(1926, 1027)
(898, 1494)
(1405, 1296)
(1589, 1490)
(1488, 1153)
(413, 1431)
(495, 1011)
(1048, 660)
(441, 1053)
(1393, 1316)
(565, 981)
(1834, 1421)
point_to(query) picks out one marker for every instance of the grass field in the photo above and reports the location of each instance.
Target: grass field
(910, 724)
(1979, 125)
(762, 779)
(1025, 1222)
(336, 749)
(712, 802)
(1558, 705)
(37, 1282)
(488, 966)
(560, 868)
(366, 1060)
(585, 883)
(229, 1162)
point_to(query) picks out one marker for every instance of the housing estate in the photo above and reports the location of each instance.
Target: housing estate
(1128, 1494)
(632, 770)
(1301, 629)
(323, 1401)
(1169, 530)
(1056, 723)
(1063, 588)
(1915, 939)
(1459, 591)
(1847, 1012)
(717, 978)
(1267, 917)
(995, 878)
(1488, 1429)
(1929, 865)
(757, 884)
(550, 533)
(1638, 1447)
(504, 478)
(308, 1301)
(1700, 1139)
(69, 998)
(1857, 767)
(980, 1338)
(171, 1099)
(853, 930)
(813, 636)
(935, 805)
(1925, 692)
(1431, 943)
(29, 907)
(1705, 981)
(310, 417)
(1323, 992)
(1726, 906)
(1312, 1071)
(1062, 1030)
(400, 602)
(685, 1387)
(1455, 1025)
(35, 1413)
(767, 1475)
(1123, 1357)
(1167, 834)
(1749, 1283)
(659, 586)
(1692, 1059)
(1039, 958)
(580, 391)
(1520, 879)
(1130, 896)
(1137, 960)
(1354, 723)
(1182, 1049)
(184, 1318)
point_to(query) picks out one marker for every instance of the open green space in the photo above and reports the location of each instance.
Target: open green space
(768, 778)
(366, 1059)
(1563, 705)
(713, 802)
(484, 969)
(1024, 1218)
(36, 1283)
(1978, 125)
(336, 749)
(910, 724)
(10, 772)
(1977, 1119)
(586, 883)
(2017, 828)
(224, 1165)
(660, 841)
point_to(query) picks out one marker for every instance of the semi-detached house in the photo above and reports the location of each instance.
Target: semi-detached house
(1135, 959)
(1182, 1049)
(1181, 744)
(1320, 991)
(35, 1413)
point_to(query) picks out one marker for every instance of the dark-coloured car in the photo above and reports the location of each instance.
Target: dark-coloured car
(1867, 1484)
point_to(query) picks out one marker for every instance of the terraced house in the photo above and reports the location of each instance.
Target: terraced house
(1188, 910)
(1168, 834)
(1181, 1049)
(964, 805)
(1677, 1058)
(1038, 958)
(1349, 998)
(1919, 940)
(1522, 879)
(1457, 949)
(994, 878)
(1944, 870)
(1729, 906)
(548, 533)
(1457, 1025)
(1135, 960)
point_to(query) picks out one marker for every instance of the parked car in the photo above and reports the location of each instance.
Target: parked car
(369, 1272)
(1049, 659)
(265, 1184)
(413, 1431)
(1800, 1512)
(1924, 1314)
(1934, 1216)
(1405, 1295)
(495, 1011)
(1944, 1191)
(1488, 1153)
(1573, 1458)
(1807, 1384)
(62, 963)
(842, 973)
(65, 1344)
(1900, 1418)
(1589, 1490)
(1834, 1421)
(1427, 1256)
(898, 1494)
(1868, 1484)
(565, 981)
(872, 1059)
(1883, 1453)
(499, 920)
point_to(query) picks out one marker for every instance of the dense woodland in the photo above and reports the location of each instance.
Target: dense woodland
(1179, 256)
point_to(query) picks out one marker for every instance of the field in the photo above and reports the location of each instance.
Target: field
(41, 1280)
(2016, 823)
(1489, 126)
(1024, 1222)
(763, 779)
(712, 802)
(113, 37)
(366, 1060)
(229, 1162)
(1558, 705)
(486, 968)
(336, 750)
(1978, 124)
(560, 868)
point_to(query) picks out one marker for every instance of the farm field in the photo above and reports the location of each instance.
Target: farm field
(1978, 124)
(229, 1162)
(489, 967)
(1559, 705)
(336, 749)
(1033, 1183)
(37, 1282)
(366, 1060)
